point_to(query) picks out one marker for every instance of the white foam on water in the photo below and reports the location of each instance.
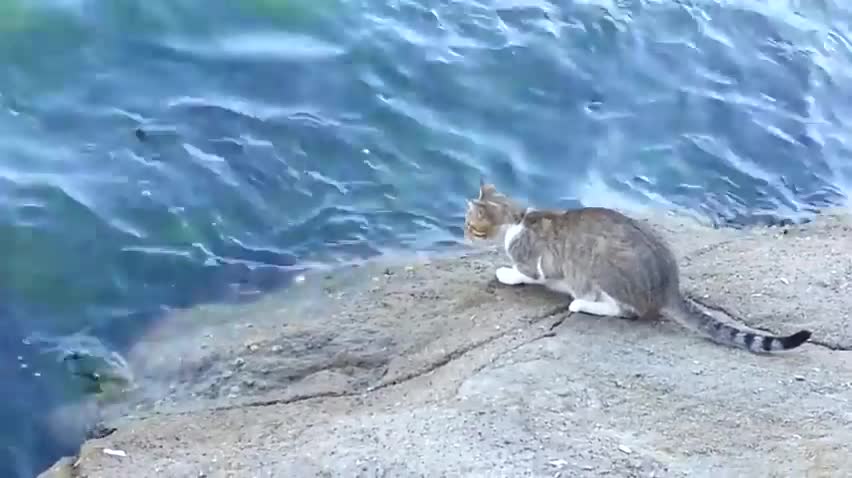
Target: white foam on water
(257, 46)
(593, 190)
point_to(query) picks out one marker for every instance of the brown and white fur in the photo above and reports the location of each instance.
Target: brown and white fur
(610, 264)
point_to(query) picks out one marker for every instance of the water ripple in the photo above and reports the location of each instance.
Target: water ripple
(257, 46)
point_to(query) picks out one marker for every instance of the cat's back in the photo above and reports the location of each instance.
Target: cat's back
(598, 247)
(585, 220)
(606, 226)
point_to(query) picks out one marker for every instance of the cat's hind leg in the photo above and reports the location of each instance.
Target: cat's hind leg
(594, 307)
(604, 305)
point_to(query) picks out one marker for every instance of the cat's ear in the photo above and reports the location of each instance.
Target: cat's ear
(485, 189)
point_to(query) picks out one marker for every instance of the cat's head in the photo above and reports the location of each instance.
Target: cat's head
(487, 214)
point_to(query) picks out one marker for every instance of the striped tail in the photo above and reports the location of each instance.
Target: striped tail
(691, 316)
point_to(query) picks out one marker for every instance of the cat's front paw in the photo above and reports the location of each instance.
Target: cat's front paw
(509, 276)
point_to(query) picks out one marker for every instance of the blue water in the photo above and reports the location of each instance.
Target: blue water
(162, 153)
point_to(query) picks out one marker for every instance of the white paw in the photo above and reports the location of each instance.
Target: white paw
(509, 276)
(590, 307)
(575, 306)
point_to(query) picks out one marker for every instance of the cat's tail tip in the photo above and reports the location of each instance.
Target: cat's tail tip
(760, 343)
(794, 340)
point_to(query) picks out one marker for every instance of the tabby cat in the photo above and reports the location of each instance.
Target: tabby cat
(610, 265)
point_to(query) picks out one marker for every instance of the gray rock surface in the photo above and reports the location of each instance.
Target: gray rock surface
(428, 367)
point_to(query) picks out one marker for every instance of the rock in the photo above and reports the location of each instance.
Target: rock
(415, 388)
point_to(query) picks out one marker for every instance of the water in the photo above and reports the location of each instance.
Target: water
(163, 153)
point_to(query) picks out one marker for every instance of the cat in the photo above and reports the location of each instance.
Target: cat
(610, 265)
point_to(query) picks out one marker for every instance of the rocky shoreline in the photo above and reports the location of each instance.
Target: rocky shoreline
(428, 367)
